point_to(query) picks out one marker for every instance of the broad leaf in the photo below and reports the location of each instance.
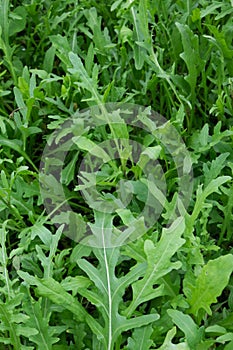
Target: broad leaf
(209, 284)
(141, 339)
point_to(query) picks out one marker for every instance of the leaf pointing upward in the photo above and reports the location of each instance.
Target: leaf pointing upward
(159, 264)
(86, 82)
(210, 284)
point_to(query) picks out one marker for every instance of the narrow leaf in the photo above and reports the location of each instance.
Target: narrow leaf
(188, 326)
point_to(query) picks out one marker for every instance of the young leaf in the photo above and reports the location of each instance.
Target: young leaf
(61, 44)
(213, 186)
(4, 262)
(86, 82)
(139, 51)
(209, 284)
(68, 173)
(20, 103)
(190, 55)
(168, 345)
(141, 339)
(215, 168)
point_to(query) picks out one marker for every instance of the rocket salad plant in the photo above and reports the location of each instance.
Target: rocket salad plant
(155, 271)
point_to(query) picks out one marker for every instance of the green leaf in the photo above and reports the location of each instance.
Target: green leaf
(209, 284)
(51, 289)
(140, 25)
(213, 186)
(12, 321)
(61, 44)
(85, 144)
(108, 292)
(69, 171)
(76, 283)
(42, 334)
(100, 38)
(18, 20)
(141, 339)
(190, 55)
(204, 135)
(21, 104)
(220, 41)
(43, 233)
(210, 9)
(86, 82)
(149, 153)
(49, 60)
(216, 329)
(159, 264)
(14, 144)
(116, 4)
(188, 326)
(168, 345)
(215, 168)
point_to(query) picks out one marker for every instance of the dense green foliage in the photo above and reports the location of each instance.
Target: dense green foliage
(172, 288)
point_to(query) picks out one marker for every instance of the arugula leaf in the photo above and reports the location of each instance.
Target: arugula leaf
(14, 144)
(141, 339)
(209, 284)
(158, 264)
(213, 186)
(55, 292)
(40, 332)
(187, 325)
(168, 345)
(108, 294)
(86, 82)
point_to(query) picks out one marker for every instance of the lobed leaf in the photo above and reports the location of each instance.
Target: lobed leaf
(158, 264)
